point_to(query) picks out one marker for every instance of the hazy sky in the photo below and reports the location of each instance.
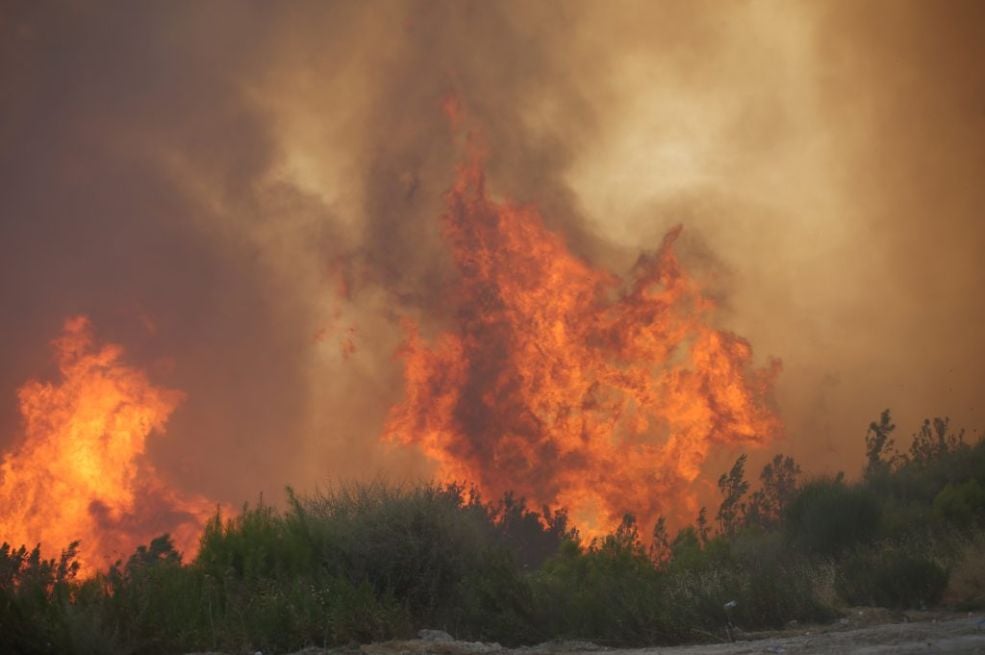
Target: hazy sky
(231, 190)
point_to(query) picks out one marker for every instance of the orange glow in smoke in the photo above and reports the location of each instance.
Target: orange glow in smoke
(79, 472)
(569, 386)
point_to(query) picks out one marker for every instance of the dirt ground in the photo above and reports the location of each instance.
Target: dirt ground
(868, 631)
(965, 635)
(863, 631)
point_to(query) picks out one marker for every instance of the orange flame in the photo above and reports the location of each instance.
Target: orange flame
(79, 472)
(568, 386)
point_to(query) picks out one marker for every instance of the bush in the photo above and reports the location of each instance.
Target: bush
(610, 592)
(966, 584)
(891, 576)
(375, 562)
(38, 608)
(776, 585)
(359, 564)
(828, 516)
(363, 563)
(961, 505)
(613, 592)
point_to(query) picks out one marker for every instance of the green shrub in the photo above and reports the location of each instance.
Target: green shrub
(775, 585)
(414, 545)
(37, 605)
(961, 505)
(375, 562)
(371, 562)
(610, 592)
(887, 575)
(828, 516)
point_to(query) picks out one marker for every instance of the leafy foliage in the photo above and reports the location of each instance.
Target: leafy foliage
(892, 576)
(733, 487)
(778, 485)
(373, 562)
(879, 446)
(829, 516)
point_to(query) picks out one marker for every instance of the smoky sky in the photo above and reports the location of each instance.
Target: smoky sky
(228, 189)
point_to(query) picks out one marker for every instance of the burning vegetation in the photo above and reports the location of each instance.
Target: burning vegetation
(279, 183)
(572, 416)
(79, 472)
(580, 410)
(558, 382)
(569, 386)
(377, 562)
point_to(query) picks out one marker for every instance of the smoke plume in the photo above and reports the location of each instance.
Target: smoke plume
(246, 197)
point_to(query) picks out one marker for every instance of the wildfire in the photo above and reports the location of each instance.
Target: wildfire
(79, 472)
(567, 385)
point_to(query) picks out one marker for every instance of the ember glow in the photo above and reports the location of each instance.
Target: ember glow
(79, 471)
(568, 385)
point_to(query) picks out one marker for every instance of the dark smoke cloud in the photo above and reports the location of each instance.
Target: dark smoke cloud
(133, 172)
(198, 177)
